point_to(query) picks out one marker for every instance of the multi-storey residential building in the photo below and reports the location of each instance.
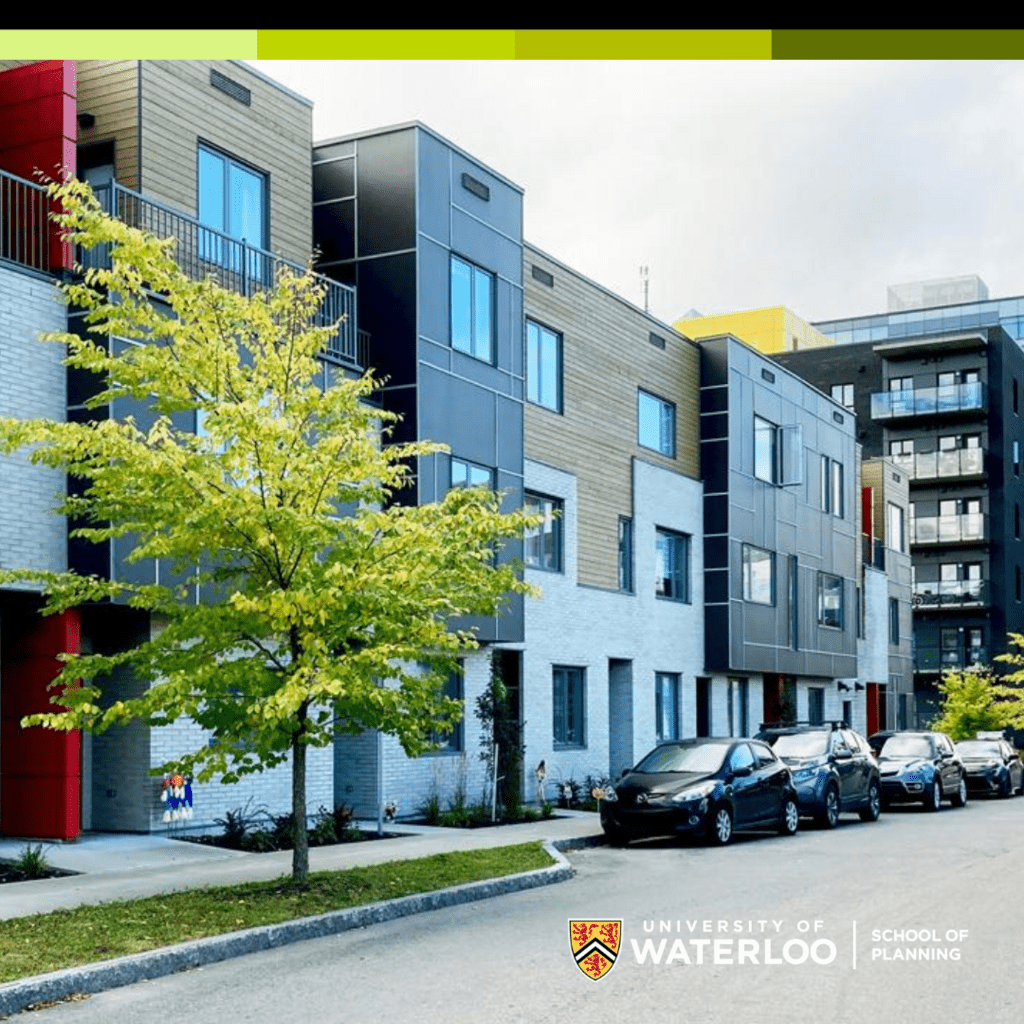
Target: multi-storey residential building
(217, 156)
(943, 405)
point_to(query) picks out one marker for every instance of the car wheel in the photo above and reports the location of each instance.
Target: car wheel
(1005, 787)
(959, 798)
(873, 808)
(720, 832)
(1020, 792)
(615, 836)
(790, 818)
(828, 817)
(933, 798)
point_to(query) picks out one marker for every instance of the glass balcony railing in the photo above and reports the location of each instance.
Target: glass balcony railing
(951, 594)
(948, 398)
(938, 659)
(961, 462)
(970, 526)
(203, 252)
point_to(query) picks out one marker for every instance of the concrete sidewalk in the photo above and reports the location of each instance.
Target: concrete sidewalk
(120, 866)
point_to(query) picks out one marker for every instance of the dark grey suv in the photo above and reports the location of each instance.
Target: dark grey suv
(833, 769)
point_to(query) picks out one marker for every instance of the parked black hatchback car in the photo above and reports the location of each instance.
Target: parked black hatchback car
(708, 787)
(922, 767)
(833, 769)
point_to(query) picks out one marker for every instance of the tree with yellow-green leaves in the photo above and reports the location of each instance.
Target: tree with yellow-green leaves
(331, 597)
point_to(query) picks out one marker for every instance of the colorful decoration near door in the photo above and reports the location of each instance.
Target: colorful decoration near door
(177, 798)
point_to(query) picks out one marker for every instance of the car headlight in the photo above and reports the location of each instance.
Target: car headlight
(608, 795)
(804, 774)
(694, 793)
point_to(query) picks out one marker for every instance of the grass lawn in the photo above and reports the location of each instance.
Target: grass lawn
(67, 938)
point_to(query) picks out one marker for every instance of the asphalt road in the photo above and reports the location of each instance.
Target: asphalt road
(822, 896)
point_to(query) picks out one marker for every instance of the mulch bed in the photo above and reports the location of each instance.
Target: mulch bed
(224, 843)
(9, 872)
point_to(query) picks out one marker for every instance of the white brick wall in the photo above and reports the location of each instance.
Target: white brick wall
(585, 627)
(33, 383)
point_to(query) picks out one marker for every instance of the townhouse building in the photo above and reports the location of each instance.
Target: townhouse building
(699, 557)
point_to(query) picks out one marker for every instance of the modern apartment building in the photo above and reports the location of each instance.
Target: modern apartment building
(941, 402)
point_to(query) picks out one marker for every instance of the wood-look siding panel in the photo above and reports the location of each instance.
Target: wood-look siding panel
(109, 90)
(606, 357)
(274, 134)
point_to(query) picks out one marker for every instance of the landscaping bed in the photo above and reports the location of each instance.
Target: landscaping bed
(30, 865)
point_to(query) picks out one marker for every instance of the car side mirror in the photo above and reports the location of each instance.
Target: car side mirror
(743, 770)
(844, 754)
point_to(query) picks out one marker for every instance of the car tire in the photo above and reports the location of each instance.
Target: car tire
(828, 817)
(959, 798)
(933, 798)
(720, 827)
(615, 836)
(790, 820)
(873, 808)
(1005, 788)
(1020, 792)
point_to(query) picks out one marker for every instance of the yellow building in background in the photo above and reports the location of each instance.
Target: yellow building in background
(769, 330)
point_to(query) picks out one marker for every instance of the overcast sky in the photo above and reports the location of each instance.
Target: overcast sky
(739, 184)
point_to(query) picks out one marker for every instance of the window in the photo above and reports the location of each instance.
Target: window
(826, 485)
(766, 450)
(673, 565)
(830, 600)
(569, 686)
(1016, 458)
(452, 742)
(758, 575)
(794, 602)
(656, 423)
(1016, 403)
(894, 621)
(626, 554)
(232, 200)
(543, 543)
(469, 474)
(896, 535)
(838, 494)
(843, 394)
(543, 366)
(472, 299)
(667, 706)
(904, 447)
(739, 707)
(1016, 521)
(975, 649)
(816, 705)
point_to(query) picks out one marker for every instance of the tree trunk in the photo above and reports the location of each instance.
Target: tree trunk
(300, 847)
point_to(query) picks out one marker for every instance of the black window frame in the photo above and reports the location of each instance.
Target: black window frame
(534, 503)
(574, 705)
(557, 338)
(474, 269)
(747, 575)
(825, 619)
(675, 540)
(666, 444)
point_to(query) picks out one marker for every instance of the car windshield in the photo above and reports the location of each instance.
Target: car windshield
(979, 748)
(707, 757)
(907, 746)
(801, 744)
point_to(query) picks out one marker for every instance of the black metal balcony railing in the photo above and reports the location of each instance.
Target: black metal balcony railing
(968, 527)
(201, 251)
(951, 594)
(961, 462)
(938, 659)
(24, 222)
(947, 398)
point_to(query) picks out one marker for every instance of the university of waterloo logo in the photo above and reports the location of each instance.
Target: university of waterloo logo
(595, 945)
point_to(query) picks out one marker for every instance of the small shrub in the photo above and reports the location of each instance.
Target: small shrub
(547, 810)
(430, 810)
(324, 831)
(259, 841)
(236, 823)
(32, 862)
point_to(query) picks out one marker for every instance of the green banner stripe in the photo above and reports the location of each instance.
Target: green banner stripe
(387, 44)
(897, 44)
(143, 44)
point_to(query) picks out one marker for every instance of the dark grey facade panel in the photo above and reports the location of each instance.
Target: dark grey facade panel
(484, 246)
(434, 188)
(461, 415)
(434, 290)
(334, 180)
(386, 298)
(503, 210)
(386, 193)
(334, 228)
(508, 416)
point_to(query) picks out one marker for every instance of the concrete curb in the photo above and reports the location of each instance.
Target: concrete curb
(16, 996)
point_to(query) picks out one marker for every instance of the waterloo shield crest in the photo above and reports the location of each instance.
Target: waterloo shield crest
(595, 946)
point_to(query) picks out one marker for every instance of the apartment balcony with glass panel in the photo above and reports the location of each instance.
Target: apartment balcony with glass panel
(938, 659)
(953, 464)
(930, 594)
(947, 398)
(953, 529)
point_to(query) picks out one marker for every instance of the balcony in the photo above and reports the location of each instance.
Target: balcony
(944, 465)
(936, 659)
(938, 401)
(957, 529)
(933, 594)
(24, 222)
(235, 264)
